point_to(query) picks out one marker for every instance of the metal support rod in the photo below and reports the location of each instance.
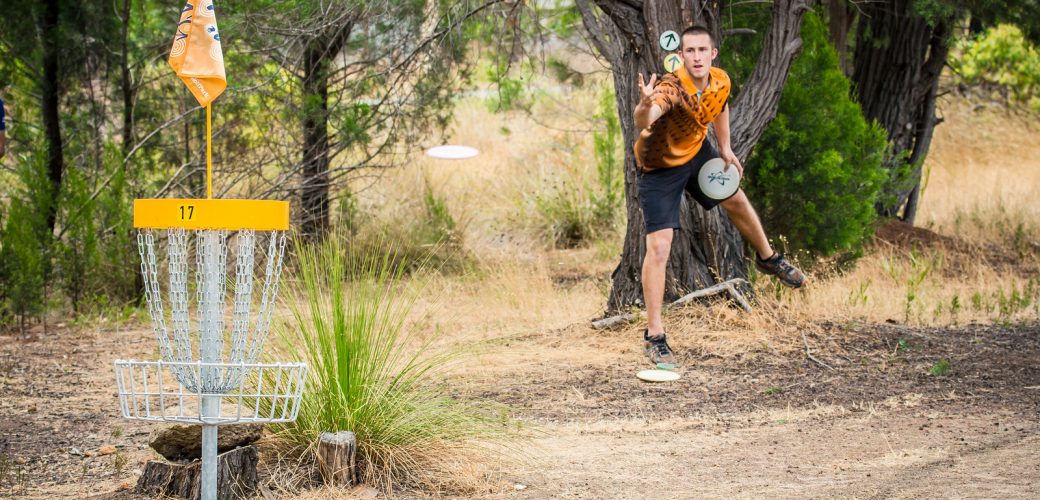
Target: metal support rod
(210, 351)
(209, 457)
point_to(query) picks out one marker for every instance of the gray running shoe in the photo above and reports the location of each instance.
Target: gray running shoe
(656, 348)
(778, 266)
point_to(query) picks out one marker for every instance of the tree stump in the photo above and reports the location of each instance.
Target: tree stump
(181, 442)
(337, 458)
(236, 476)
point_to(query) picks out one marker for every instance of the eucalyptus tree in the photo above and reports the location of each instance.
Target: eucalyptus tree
(626, 34)
(352, 85)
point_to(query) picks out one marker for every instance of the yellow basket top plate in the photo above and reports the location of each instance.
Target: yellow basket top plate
(260, 215)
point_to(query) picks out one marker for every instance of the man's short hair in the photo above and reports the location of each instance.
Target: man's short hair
(697, 29)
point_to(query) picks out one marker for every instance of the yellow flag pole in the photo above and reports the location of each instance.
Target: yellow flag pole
(209, 157)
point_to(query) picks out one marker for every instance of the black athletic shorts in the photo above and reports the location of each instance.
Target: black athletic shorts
(661, 190)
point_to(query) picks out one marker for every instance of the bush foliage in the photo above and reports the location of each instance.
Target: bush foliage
(1001, 57)
(816, 172)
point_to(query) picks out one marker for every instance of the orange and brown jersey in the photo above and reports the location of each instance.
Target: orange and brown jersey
(676, 137)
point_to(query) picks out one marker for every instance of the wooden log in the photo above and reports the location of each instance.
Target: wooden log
(236, 476)
(729, 286)
(337, 458)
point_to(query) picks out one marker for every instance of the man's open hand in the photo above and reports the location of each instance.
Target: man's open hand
(646, 90)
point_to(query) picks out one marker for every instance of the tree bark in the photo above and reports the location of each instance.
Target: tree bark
(708, 249)
(236, 476)
(126, 84)
(50, 97)
(839, 20)
(899, 57)
(318, 57)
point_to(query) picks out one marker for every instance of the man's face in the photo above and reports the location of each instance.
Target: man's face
(697, 54)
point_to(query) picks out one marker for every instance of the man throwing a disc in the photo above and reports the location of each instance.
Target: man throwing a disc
(673, 116)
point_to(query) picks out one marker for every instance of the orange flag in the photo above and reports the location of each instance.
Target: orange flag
(196, 56)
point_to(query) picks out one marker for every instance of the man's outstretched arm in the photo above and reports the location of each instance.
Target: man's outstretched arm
(647, 111)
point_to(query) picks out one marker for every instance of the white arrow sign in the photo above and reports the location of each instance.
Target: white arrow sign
(669, 40)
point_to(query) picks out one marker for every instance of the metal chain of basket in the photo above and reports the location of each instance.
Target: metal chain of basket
(211, 249)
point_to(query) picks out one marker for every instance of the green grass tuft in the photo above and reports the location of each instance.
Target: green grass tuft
(369, 375)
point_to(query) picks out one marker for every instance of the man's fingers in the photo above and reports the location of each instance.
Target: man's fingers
(653, 79)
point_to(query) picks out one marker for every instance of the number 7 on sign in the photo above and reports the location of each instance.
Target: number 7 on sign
(672, 62)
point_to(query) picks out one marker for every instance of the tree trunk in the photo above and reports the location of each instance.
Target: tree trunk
(899, 57)
(839, 20)
(126, 84)
(50, 97)
(708, 249)
(317, 60)
(236, 476)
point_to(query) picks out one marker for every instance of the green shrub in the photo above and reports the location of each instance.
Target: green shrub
(25, 247)
(1001, 57)
(95, 254)
(90, 262)
(77, 255)
(941, 368)
(510, 93)
(816, 172)
(370, 375)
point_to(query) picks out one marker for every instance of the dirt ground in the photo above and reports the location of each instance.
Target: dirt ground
(875, 425)
(872, 423)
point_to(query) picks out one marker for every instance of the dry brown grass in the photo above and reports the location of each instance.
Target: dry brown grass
(983, 169)
(446, 469)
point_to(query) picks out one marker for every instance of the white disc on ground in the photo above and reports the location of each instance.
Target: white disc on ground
(716, 182)
(658, 375)
(452, 152)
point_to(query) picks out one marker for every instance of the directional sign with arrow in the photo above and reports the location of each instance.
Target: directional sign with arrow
(669, 41)
(672, 62)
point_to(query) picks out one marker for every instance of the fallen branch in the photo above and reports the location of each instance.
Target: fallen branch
(729, 286)
(808, 353)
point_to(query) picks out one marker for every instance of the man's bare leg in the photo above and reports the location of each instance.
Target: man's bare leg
(747, 222)
(655, 263)
(744, 217)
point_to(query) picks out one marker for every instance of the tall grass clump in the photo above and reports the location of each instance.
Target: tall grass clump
(424, 233)
(578, 210)
(371, 375)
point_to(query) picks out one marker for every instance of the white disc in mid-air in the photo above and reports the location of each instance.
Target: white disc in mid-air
(452, 152)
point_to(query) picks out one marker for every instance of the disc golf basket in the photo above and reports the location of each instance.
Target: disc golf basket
(210, 375)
